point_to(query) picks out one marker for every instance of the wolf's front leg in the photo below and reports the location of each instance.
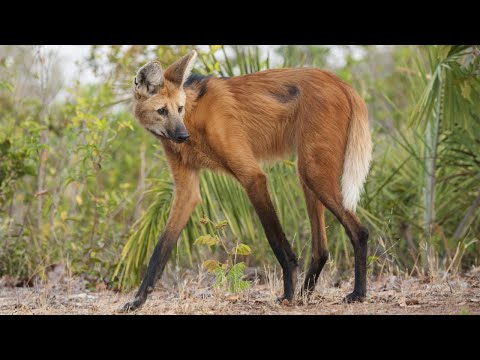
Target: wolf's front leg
(155, 269)
(187, 196)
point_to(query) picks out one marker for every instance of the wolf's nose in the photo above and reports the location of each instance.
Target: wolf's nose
(181, 137)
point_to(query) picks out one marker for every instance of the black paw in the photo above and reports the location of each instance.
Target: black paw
(354, 297)
(132, 305)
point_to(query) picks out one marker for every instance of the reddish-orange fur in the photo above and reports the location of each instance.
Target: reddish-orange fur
(241, 121)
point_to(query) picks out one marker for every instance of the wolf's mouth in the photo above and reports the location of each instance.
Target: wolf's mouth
(158, 135)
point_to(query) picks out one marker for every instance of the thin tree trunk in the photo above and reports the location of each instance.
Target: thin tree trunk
(41, 178)
(43, 72)
(431, 179)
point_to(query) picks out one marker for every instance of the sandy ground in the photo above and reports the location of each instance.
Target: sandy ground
(388, 295)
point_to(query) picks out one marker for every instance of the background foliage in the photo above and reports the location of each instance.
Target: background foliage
(81, 183)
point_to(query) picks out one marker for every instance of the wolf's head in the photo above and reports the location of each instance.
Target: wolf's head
(160, 98)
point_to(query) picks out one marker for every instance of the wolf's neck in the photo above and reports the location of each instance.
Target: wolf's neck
(196, 86)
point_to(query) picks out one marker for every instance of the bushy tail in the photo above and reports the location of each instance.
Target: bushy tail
(357, 155)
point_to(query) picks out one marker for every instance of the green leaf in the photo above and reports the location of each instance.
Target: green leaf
(221, 225)
(242, 249)
(234, 278)
(204, 220)
(237, 269)
(211, 265)
(220, 278)
(206, 240)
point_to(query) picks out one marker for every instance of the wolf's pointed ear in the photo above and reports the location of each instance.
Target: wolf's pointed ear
(179, 71)
(149, 79)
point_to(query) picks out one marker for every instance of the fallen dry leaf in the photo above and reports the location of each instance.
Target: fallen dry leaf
(412, 302)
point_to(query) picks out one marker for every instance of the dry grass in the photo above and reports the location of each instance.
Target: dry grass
(192, 294)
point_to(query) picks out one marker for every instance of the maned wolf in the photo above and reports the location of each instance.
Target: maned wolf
(230, 124)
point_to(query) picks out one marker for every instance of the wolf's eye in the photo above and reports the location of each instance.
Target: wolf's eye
(163, 111)
(180, 109)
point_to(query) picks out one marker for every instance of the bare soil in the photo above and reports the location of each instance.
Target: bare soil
(387, 295)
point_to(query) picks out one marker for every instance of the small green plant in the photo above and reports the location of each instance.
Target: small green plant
(228, 275)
